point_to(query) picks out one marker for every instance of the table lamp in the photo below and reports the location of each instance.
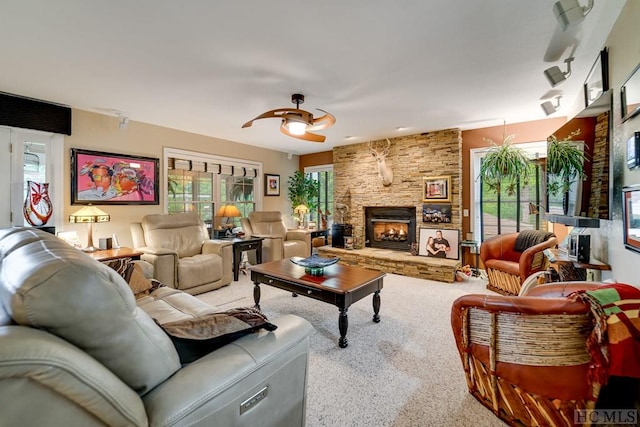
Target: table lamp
(89, 214)
(301, 210)
(228, 211)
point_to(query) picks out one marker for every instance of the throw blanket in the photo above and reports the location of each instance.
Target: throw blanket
(615, 341)
(528, 238)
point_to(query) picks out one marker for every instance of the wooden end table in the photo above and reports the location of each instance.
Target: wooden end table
(340, 285)
(109, 254)
(241, 245)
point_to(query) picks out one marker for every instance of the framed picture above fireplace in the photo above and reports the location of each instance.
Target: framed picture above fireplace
(439, 243)
(436, 189)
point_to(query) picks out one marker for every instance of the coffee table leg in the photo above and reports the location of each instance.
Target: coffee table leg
(376, 306)
(256, 294)
(343, 324)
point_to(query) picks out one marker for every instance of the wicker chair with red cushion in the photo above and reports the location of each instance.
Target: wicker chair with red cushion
(526, 357)
(510, 258)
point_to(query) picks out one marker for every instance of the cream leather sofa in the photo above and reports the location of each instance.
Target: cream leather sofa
(76, 350)
(182, 255)
(278, 242)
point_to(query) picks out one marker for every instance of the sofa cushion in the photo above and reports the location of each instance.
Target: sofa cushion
(169, 305)
(199, 269)
(45, 283)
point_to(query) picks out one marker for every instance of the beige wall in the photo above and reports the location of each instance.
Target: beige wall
(100, 132)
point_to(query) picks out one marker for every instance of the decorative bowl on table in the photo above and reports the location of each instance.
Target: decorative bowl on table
(315, 264)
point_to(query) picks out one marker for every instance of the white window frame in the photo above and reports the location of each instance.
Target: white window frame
(54, 170)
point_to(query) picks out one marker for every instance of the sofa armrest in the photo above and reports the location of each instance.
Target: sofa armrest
(298, 235)
(59, 384)
(164, 261)
(210, 391)
(215, 246)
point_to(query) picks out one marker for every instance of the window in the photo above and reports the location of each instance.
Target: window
(202, 183)
(324, 176)
(514, 208)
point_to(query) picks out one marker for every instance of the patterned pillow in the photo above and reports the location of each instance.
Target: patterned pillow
(123, 266)
(139, 284)
(197, 337)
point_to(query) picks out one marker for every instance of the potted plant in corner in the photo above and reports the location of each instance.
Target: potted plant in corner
(565, 165)
(303, 193)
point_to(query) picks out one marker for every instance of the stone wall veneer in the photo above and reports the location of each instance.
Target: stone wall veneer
(412, 158)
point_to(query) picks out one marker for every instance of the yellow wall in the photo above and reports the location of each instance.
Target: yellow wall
(101, 133)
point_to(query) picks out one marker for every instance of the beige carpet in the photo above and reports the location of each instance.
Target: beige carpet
(403, 371)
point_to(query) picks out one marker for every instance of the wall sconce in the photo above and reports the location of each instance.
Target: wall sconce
(569, 12)
(535, 209)
(549, 107)
(555, 75)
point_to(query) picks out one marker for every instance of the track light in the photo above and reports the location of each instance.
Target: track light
(549, 107)
(569, 12)
(555, 75)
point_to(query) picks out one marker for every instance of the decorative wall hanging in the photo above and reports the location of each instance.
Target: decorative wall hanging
(436, 189)
(436, 213)
(271, 185)
(113, 179)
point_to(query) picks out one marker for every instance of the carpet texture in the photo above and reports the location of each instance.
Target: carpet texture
(403, 371)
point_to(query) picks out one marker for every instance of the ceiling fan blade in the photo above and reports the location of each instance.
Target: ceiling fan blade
(312, 137)
(322, 122)
(278, 112)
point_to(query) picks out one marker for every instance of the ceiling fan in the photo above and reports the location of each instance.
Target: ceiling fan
(298, 123)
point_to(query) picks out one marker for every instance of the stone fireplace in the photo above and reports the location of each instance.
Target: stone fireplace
(390, 227)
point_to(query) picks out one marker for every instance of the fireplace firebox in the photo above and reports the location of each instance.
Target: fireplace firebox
(390, 227)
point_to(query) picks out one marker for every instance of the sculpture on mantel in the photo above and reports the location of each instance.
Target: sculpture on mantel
(384, 171)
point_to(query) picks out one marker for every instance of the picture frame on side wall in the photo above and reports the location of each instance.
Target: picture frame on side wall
(439, 243)
(101, 178)
(271, 184)
(597, 81)
(436, 189)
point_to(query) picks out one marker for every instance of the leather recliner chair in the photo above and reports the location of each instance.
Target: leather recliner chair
(278, 242)
(506, 267)
(526, 357)
(182, 255)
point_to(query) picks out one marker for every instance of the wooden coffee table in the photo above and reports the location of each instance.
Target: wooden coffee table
(340, 285)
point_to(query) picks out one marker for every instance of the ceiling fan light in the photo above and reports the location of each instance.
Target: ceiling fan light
(295, 127)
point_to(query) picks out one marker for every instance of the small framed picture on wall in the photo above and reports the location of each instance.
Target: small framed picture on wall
(436, 189)
(271, 184)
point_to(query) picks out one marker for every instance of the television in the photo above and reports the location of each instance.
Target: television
(631, 217)
(588, 199)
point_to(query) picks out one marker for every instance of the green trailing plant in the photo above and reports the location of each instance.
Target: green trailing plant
(565, 163)
(505, 164)
(303, 191)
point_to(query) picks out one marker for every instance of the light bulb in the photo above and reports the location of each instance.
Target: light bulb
(296, 128)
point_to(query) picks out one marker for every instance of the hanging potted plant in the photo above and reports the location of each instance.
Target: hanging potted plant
(565, 165)
(303, 192)
(505, 163)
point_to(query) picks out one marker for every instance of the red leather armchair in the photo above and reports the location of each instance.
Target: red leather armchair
(526, 358)
(507, 268)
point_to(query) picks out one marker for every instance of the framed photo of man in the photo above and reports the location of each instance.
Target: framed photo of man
(439, 243)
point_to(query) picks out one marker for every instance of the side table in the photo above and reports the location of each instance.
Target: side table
(241, 245)
(572, 270)
(109, 254)
(472, 244)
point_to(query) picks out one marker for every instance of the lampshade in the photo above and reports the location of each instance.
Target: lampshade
(301, 209)
(228, 211)
(295, 127)
(89, 215)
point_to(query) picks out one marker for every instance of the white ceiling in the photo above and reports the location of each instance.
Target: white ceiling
(208, 66)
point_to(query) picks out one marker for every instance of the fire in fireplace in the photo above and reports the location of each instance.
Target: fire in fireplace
(390, 227)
